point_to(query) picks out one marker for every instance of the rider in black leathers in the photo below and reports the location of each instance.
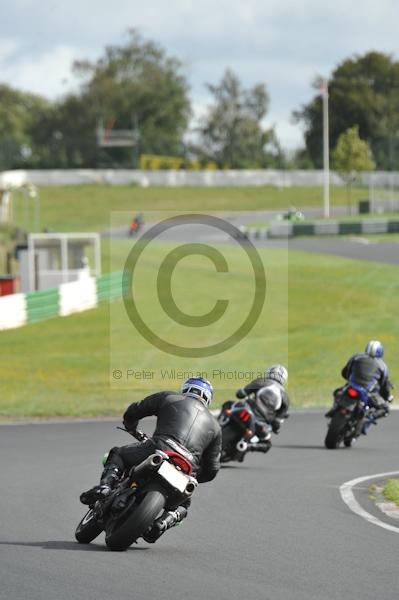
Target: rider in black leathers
(368, 370)
(185, 425)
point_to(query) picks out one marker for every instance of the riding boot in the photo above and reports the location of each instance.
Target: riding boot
(109, 478)
(110, 475)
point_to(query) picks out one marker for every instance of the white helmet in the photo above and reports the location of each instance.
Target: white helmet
(277, 373)
(375, 349)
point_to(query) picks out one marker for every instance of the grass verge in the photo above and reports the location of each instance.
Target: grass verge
(318, 311)
(391, 490)
(88, 207)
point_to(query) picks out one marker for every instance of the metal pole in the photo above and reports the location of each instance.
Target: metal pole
(37, 212)
(64, 258)
(97, 252)
(31, 263)
(326, 157)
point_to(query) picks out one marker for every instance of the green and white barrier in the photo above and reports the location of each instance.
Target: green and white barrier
(109, 286)
(77, 296)
(42, 305)
(287, 229)
(72, 297)
(13, 311)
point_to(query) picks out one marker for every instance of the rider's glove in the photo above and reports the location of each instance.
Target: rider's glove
(130, 427)
(391, 398)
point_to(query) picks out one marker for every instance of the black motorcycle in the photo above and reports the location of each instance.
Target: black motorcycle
(138, 499)
(237, 421)
(352, 413)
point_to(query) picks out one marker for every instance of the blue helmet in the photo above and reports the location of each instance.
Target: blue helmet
(200, 388)
(375, 349)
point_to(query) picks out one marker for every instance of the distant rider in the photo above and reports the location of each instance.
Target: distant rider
(185, 425)
(136, 224)
(269, 402)
(368, 370)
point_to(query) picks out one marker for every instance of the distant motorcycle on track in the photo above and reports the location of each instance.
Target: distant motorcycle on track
(138, 499)
(237, 421)
(352, 413)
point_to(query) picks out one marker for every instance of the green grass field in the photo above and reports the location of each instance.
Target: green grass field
(318, 311)
(89, 207)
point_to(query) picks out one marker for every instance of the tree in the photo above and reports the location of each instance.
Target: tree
(363, 91)
(135, 84)
(65, 136)
(18, 111)
(231, 134)
(351, 156)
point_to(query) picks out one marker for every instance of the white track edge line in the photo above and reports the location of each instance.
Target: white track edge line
(349, 498)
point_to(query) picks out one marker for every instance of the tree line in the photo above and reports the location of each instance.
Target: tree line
(137, 87)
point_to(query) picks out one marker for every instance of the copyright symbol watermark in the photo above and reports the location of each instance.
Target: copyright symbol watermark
(170, 305)
(117, 374)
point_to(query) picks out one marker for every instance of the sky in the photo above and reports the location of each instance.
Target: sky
(281, 43)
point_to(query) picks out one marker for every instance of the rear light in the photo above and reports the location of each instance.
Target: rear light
(352, 392)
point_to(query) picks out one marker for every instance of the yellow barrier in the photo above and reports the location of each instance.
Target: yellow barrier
(155, 162)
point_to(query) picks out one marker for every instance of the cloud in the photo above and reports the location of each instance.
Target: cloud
(282, 43)
(48, 74)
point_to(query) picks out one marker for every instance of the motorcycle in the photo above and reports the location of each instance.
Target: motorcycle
(138, 499)
(136, 225)
(352, 413)
(237, 421)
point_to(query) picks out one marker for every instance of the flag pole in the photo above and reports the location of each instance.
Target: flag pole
(326, 156)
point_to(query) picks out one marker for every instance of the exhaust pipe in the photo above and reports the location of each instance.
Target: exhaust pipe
(190, 488)
(242, 446)
(151, 462)
(259, 447)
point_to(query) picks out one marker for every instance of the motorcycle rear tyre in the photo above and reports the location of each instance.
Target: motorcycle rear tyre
(142, 517)
(230, 437)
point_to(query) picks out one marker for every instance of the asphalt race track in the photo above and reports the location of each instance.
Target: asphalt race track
(358, 248)
(273, 528)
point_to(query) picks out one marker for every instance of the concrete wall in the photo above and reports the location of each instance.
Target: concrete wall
(185, 178)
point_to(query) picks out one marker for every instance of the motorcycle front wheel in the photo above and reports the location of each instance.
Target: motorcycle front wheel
(336, 431)
(119, 538)
(88, 528)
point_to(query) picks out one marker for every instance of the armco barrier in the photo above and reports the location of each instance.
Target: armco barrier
(320, 228)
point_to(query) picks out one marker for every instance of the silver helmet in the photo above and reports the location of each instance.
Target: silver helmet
(277, 373)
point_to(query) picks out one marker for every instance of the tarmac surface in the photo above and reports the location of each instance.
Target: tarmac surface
(272, 528)
(356, 247)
